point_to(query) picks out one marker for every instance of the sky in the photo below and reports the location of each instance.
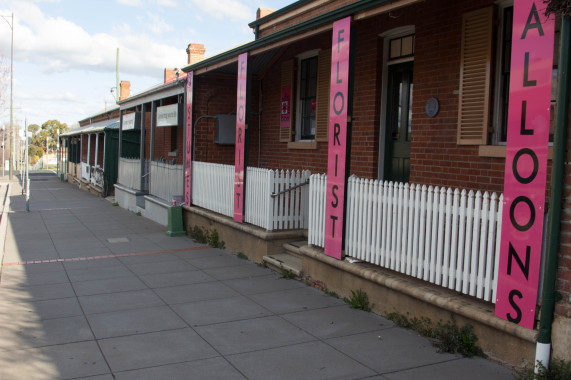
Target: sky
(65, 50)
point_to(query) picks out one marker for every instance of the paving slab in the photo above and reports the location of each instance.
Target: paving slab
(160, 280)
(172, 265)
(397, 346)
(298, 299)
(313, 360)
(252, 335)
(89, 273)
(111, 285)
(263, 284)
(212, 369)
(243, 271)
(47, 332)
(130, 322)
(337, 321)
(219, 310)
(57, 308)
(195, 292)
(104, 303)
(155, 349)
(463, 368)
(63, 361)
(20, 293)
(221, 260)
(23, 278)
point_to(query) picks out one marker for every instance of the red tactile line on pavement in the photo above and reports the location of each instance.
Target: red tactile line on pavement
(101, 257)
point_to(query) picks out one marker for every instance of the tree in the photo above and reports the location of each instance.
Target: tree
(33, 128)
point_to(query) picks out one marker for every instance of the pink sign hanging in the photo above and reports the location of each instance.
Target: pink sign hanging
(338, 101)
(188, 141)
(526, 163)
(240, 138)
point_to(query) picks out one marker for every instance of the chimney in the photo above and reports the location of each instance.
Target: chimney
(125, 89)
(195, 53)
(263, 12)
(170, 75)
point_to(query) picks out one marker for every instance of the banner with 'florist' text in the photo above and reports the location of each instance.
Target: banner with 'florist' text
(526, 163)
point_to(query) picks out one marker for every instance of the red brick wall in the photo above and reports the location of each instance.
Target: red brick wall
(101, 149)
(212, 95)
(96, 119)
(92, 149)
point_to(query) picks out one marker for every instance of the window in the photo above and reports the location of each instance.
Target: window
(307, 98)
(304, 116)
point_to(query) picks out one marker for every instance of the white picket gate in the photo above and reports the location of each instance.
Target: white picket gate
(447, 237)
(276, 200)
(167, 181)
(213, 187)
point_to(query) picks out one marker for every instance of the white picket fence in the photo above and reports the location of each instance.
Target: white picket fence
(130, 173)
(277, 200)
(447, 237)
(167, 181)
(213, 187)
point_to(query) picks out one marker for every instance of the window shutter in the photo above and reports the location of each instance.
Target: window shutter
(287, 80)
(323, 82)
(475, 66)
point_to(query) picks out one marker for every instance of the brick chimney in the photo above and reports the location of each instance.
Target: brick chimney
(170, 75)
(195, 53)
(125, 89)
(263, 12)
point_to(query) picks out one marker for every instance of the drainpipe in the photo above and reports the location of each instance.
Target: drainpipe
(543, 348)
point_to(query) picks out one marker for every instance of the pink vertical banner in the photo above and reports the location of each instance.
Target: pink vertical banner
(526, 163)
(240, 138)
(338, 99)
(188, 141)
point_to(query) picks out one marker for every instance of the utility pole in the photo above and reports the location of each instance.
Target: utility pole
(27, 173)
(11, 135)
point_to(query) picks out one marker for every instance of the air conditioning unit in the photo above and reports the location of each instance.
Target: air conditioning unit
(225, 130)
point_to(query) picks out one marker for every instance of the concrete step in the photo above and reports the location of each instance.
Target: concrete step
(284, 262)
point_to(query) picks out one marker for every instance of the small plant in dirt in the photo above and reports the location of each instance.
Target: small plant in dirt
(331, 293)
(358, 300)
(240, 255)
(204, 236)
(446, 337)
(139, 213)
(214, 241)
(558, 370)
(115, 204)
(288, 274)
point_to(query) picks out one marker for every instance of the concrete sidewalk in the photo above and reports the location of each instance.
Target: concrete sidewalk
(89, 290)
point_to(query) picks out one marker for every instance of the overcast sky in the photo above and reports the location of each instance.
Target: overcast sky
(65, 50)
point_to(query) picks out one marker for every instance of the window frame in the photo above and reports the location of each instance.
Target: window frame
(298, 109)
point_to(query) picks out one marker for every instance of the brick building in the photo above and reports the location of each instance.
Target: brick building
(428, 104)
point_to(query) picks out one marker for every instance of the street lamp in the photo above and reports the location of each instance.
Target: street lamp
(13, 141)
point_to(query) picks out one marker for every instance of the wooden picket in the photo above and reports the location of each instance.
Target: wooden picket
(444, 236)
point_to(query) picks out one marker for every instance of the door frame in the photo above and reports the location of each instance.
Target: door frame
(386, 36)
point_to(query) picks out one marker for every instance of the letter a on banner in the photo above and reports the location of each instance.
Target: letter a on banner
(188, 141)
(526, 163)
(337, 153)
(240, 138)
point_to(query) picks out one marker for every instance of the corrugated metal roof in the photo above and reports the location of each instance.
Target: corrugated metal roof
(93, 128)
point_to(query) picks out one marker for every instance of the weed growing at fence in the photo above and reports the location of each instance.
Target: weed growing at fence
(331, 293)
(240, 255)
(288, 274)
(358, 300)
(204, 236)
(445, 337)
(558, 370)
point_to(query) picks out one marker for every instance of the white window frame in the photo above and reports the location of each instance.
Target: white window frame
(301, 57)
